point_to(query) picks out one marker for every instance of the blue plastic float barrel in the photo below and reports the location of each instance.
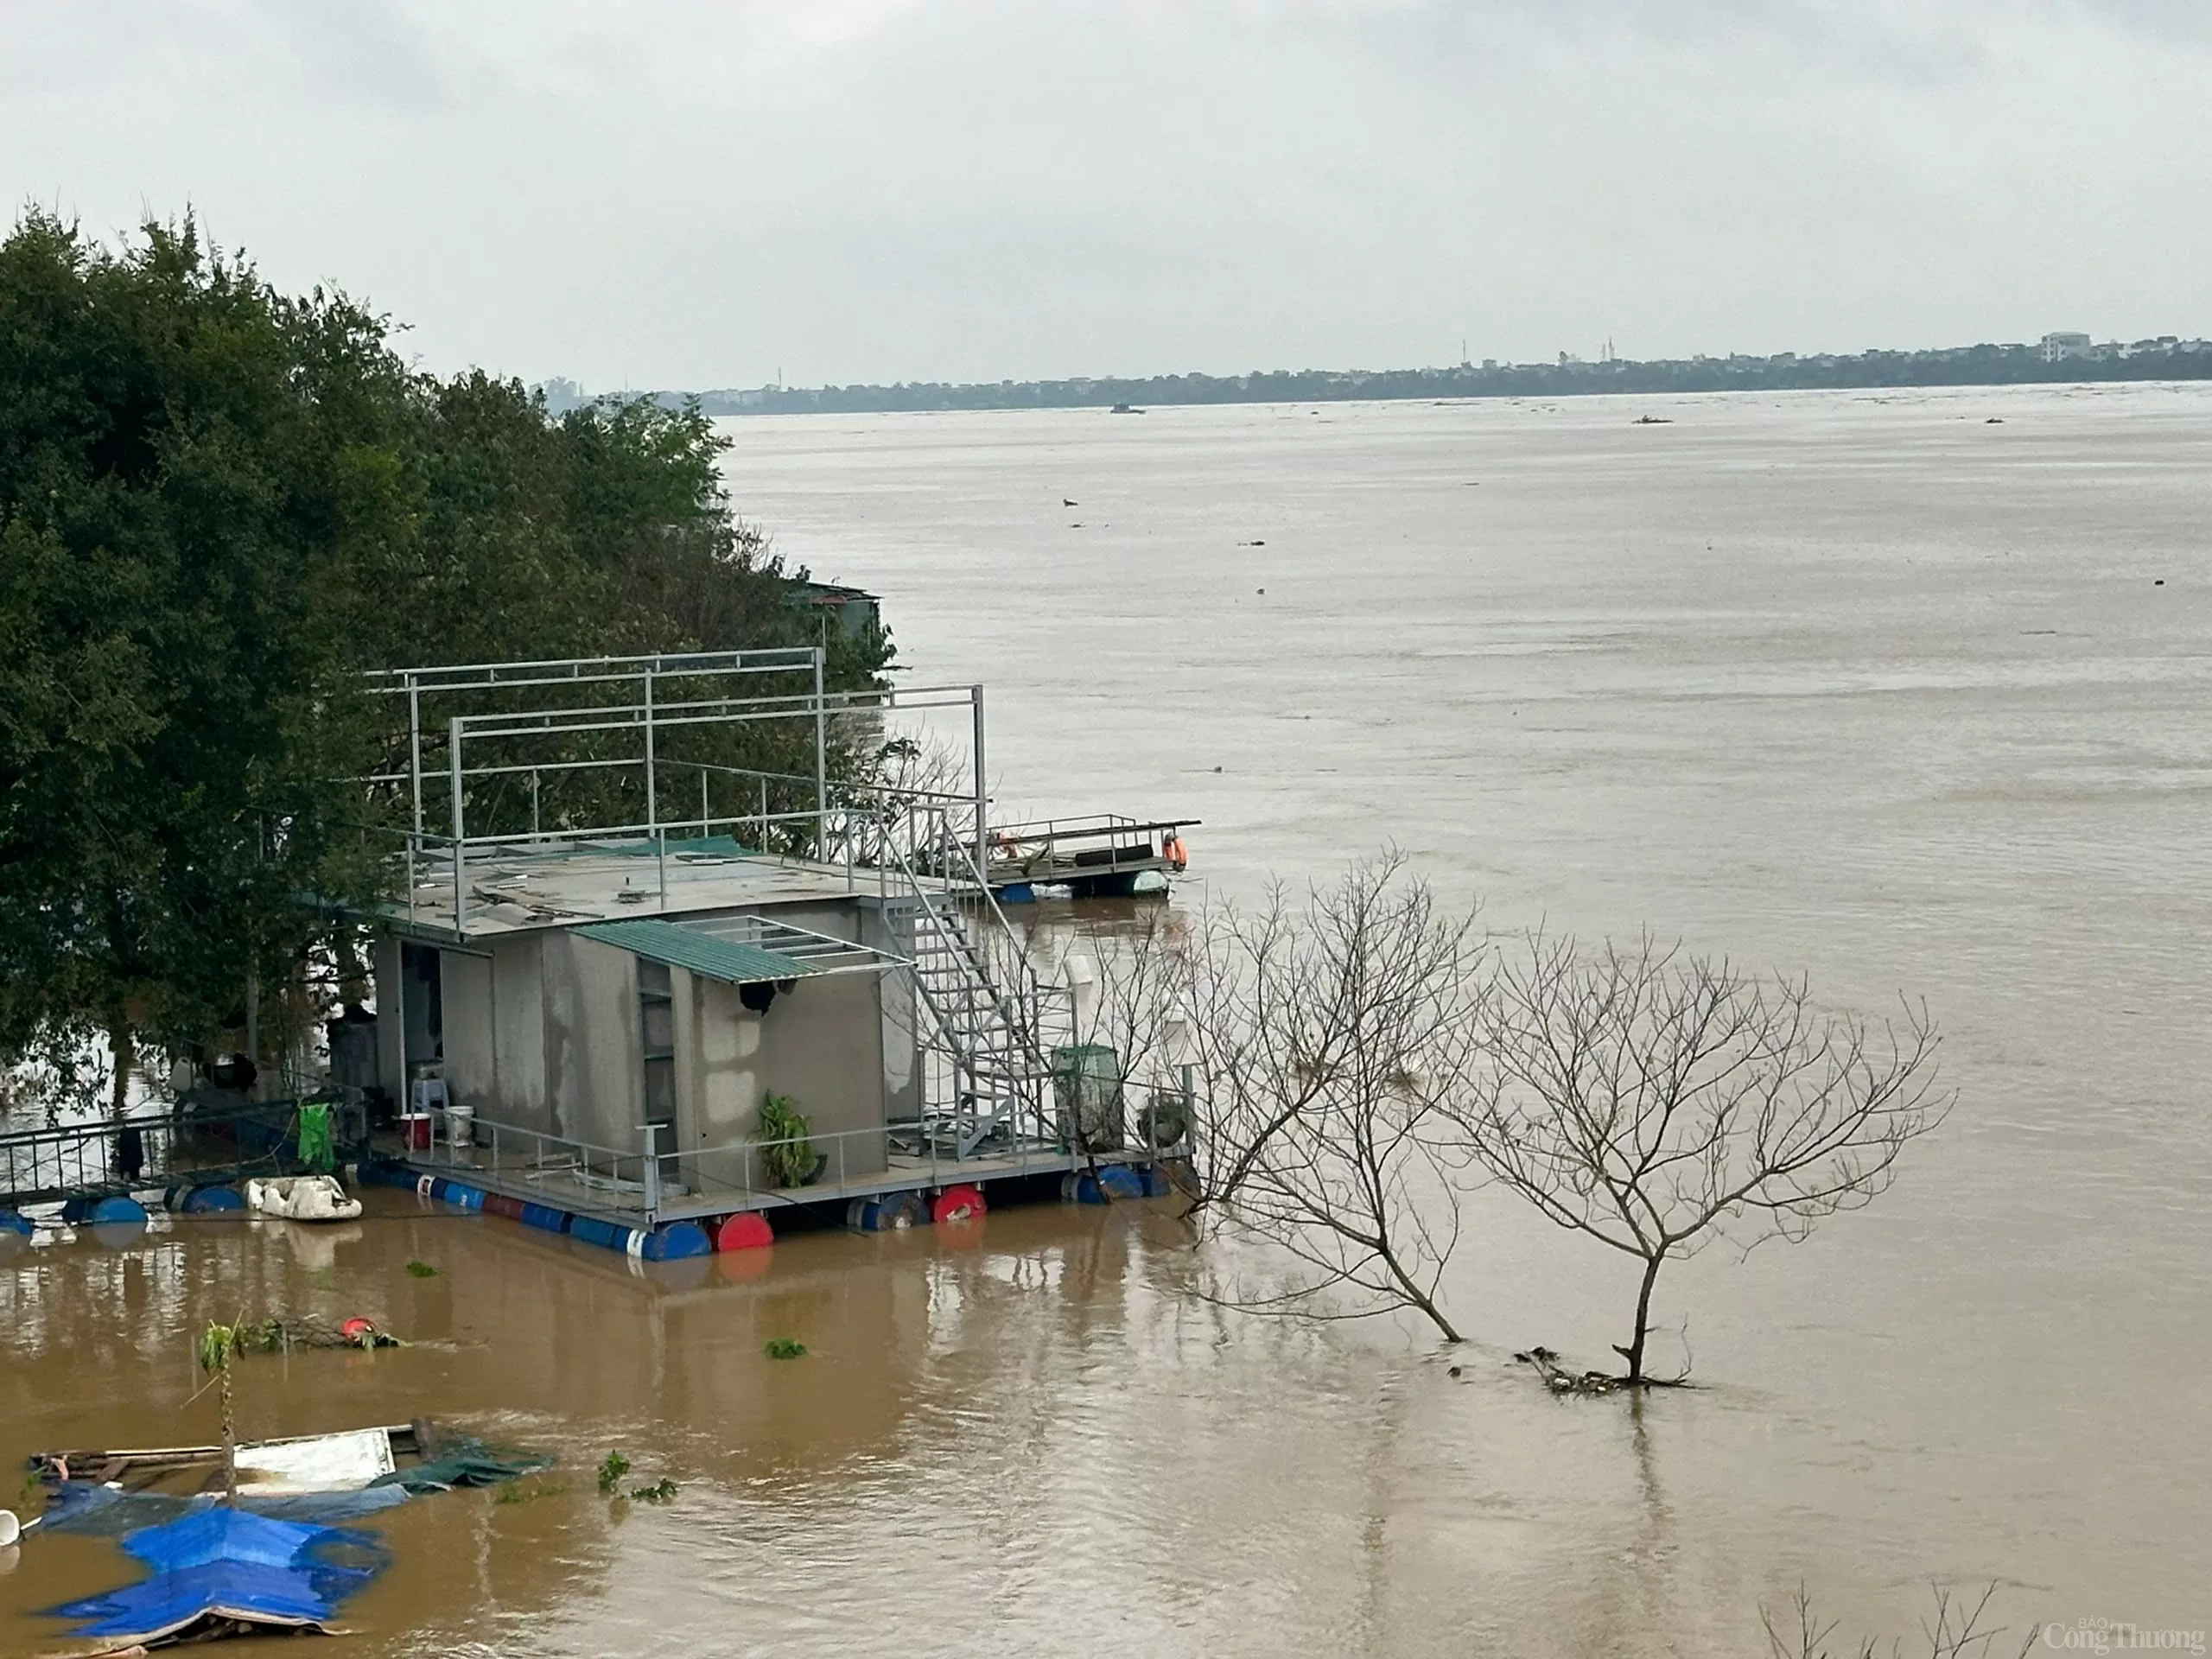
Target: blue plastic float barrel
(459, 1193)
(1112, 1182)
(605, 1234)
(888, 1212)
(84, 1211)
(669, 1243)
(676, 1241)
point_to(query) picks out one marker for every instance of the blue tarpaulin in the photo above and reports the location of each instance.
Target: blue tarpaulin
(222, 1564)
(86, 1506)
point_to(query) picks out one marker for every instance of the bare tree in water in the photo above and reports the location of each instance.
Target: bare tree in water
(1656, 1101)
(1334, 1040)
(1960, 1629)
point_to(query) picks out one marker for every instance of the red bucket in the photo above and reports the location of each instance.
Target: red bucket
(415, 1131)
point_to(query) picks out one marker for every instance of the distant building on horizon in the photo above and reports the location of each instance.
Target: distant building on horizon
(2057, 347)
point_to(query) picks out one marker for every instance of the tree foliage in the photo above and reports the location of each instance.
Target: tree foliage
(218, 504)
(185, 470)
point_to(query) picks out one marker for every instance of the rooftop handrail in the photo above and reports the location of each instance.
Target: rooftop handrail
(587, 670)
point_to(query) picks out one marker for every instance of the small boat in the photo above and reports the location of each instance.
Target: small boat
(1125, 409)
(302, 1197)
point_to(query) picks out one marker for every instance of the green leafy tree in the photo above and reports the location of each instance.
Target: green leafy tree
(190, 465)
(605, 531)
(217, 505)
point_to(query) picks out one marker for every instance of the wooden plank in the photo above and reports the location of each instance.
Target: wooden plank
(184, 1454)
(94, 1454)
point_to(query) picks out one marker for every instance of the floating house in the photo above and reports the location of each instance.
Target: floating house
(618, 963)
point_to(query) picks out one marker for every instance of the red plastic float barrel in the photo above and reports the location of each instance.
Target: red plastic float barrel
(957, 1204)
(355, 1328)
(747, 1230)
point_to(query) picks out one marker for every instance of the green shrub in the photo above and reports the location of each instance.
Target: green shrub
(786, 1156)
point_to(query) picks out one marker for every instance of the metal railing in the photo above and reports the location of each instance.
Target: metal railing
(485, 750)
(646, 1181)
(87, 1158)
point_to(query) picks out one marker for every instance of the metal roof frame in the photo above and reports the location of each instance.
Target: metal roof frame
(739, 950)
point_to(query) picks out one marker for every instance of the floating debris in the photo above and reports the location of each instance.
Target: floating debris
(223, 1572)
(276, 1336)
(274, 1563)
(1559, 1380)
(302, 1197)
(784, 1348)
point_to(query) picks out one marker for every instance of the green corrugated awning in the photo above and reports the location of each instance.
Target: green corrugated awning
(700, 953)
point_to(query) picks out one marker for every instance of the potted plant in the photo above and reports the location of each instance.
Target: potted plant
(787, 1156)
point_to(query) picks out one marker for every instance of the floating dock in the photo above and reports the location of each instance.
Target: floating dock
(1102, 856)
(660, 1208)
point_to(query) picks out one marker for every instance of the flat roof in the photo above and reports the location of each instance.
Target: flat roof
(559, 883)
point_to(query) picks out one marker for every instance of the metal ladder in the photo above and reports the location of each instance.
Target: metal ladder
(986, 1024)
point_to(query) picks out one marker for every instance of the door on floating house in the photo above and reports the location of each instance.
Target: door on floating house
(422, 1015)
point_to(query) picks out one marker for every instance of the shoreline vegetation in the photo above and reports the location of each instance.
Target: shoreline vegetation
(2166, 358)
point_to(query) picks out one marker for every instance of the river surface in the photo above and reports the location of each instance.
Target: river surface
(1869, 685)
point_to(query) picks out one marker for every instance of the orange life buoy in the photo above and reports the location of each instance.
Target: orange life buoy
(1172, 850)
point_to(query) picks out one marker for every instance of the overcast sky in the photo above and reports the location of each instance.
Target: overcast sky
(654, 194)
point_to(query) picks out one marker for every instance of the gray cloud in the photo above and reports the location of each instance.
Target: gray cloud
(663, 193)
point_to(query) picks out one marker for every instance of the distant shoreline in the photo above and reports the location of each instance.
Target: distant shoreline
(1970, 365)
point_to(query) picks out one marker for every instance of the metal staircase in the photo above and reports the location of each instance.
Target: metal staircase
(986, 1024)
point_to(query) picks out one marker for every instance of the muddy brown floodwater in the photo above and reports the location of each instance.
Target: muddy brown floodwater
(1859, 682)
